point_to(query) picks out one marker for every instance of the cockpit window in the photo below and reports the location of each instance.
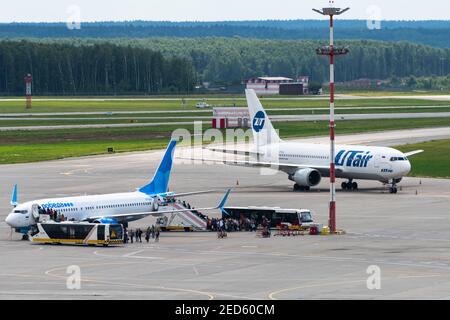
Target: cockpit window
(399, 158)
(21, 211)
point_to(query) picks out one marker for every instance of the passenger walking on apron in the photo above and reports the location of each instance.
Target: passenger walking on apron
(157, 231)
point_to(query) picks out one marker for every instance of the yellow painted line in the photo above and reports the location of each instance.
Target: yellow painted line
(76, 241)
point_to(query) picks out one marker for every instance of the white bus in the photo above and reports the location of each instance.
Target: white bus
(290, 218)
(77, 233)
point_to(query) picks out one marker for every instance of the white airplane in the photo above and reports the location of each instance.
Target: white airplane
(307, 163)
(106, 208)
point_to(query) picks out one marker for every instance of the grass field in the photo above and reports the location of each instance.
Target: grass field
(171, 104)
(188, 117)
(434, 162)
(30, 146)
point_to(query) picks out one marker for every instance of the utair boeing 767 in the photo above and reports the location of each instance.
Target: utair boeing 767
(307, 163)
(106, 208)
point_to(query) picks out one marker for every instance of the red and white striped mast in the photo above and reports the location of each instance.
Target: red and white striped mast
(332, 51)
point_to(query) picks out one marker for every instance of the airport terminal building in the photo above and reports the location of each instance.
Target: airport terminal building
(278, 85)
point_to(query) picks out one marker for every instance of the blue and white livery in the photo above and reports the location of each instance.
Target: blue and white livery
(106, 208)
(307, 163)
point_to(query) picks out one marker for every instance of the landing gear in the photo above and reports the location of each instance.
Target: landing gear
(393, 187)
(301, 188)
(25, 237)
(349, 185)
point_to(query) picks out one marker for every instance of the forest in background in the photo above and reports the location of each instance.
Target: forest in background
(103, 68)
(433, 33)
(176, 65)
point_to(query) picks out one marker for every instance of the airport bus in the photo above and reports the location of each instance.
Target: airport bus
(288, 218)
(77, 233)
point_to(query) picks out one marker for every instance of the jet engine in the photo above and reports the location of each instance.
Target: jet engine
(306, 177)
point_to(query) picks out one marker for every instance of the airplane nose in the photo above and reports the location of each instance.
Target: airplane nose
(407, 167)
(8, 220)
(11, 221)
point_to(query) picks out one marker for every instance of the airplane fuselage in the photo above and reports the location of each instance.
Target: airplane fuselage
(84, 207)
(352, 161)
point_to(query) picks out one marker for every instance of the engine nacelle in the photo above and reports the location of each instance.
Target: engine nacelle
(306, 177)
(106, 221)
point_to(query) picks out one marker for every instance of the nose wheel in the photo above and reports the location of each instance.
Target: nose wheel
(393, 188)
(349, 185)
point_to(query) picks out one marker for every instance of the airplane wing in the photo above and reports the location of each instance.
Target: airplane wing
(122, 217)
(174, 195)
(285, 167)
(411, 153)
(236, 152)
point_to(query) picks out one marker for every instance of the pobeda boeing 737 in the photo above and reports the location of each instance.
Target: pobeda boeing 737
(307, 163)
(106, 208)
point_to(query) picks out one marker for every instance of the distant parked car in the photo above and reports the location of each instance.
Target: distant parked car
(202, 105)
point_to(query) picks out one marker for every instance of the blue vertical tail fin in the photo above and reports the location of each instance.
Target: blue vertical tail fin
(14, 196)
(160, 181)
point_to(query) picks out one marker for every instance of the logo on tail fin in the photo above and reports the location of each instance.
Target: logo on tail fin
(258, 121)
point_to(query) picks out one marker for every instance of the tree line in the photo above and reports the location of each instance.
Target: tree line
(176, 65)
(101, 68)
(232, 60)
(434, 33)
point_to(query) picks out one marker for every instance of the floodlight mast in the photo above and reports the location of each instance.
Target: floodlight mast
(332, 51)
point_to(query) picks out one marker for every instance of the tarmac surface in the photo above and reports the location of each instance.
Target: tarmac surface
(406, 236)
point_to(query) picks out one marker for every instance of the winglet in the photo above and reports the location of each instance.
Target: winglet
(14, 196)
(223, 201)
(160, 181)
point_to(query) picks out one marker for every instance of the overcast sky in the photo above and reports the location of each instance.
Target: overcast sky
(214, 10)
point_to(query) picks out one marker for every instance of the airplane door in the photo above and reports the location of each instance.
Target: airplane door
(377, 161)
(35, 211)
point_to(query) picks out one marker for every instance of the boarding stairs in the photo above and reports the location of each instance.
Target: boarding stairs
(188, 217)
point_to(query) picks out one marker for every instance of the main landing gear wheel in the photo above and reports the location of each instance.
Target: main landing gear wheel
(349, 185)
(301, 188)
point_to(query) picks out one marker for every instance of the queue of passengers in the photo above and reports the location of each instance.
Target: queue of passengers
(53, 214)
(136, 235)
(231, 225)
